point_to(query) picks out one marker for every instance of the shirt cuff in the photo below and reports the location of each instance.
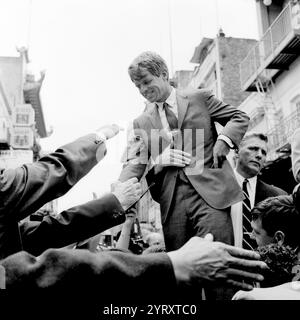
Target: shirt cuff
(227, 140)
(100, 137)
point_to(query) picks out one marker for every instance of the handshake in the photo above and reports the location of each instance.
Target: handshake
(127, 192)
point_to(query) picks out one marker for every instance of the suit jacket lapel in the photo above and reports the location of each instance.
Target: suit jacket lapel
(182, 104)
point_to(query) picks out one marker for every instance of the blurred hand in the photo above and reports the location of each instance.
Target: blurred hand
(201, 259)
(127, 192)
(110, 130)
(286, 291)
(220, 151)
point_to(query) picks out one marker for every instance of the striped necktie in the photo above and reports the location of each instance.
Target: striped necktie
(248, 243)
(171, 117)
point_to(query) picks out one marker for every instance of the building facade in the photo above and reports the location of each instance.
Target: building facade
(217, 67)
(271, 73)
(22, 121)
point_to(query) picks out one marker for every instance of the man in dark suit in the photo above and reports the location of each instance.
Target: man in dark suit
(250, 159)
(25, 189)
(194, 182)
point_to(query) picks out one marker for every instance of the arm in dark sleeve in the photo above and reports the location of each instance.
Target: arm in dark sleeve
(109, 275)
(235, 121)
(73, 225)
(25, 189)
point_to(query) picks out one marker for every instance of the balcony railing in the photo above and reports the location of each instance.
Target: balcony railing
(262, 54)
(279, 135)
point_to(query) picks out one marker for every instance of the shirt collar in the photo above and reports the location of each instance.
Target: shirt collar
(252, 181)
(171, 100)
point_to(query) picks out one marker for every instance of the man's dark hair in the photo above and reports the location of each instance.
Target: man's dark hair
(279, 213)
(260, 136)
(150, 61)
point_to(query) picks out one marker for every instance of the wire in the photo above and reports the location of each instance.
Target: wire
(29, 23)
(170, 37)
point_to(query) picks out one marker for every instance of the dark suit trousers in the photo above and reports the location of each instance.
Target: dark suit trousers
(190, 216)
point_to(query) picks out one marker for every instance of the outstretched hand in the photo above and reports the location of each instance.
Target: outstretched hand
(110, 130)
(127, 192)
(201, 259)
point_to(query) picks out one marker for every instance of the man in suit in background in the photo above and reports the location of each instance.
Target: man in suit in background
(194, 182)
(250, 159)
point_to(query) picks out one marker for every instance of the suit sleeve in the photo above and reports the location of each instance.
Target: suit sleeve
(136, 155)
(295, 146)
(234, 121)
(73, 225)
(25, 189)
(108, 275)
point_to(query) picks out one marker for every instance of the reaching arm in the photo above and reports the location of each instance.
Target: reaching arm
(72, 225)
(124, 238)
(25, 189)
(113, 275)
(198, 260)
(80, 222)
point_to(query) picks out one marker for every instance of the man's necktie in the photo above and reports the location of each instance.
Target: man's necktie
(171, 117)
(248, 243)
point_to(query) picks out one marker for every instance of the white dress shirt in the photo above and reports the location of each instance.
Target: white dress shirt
(237, 208)
(172, 102)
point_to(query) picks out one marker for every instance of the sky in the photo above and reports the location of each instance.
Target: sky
(85, 47)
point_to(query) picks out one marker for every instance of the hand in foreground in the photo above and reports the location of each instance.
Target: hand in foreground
(201, 259)
(127, 192)
(173, 157)
(220, 151)
(109, 131)
(286, 291)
